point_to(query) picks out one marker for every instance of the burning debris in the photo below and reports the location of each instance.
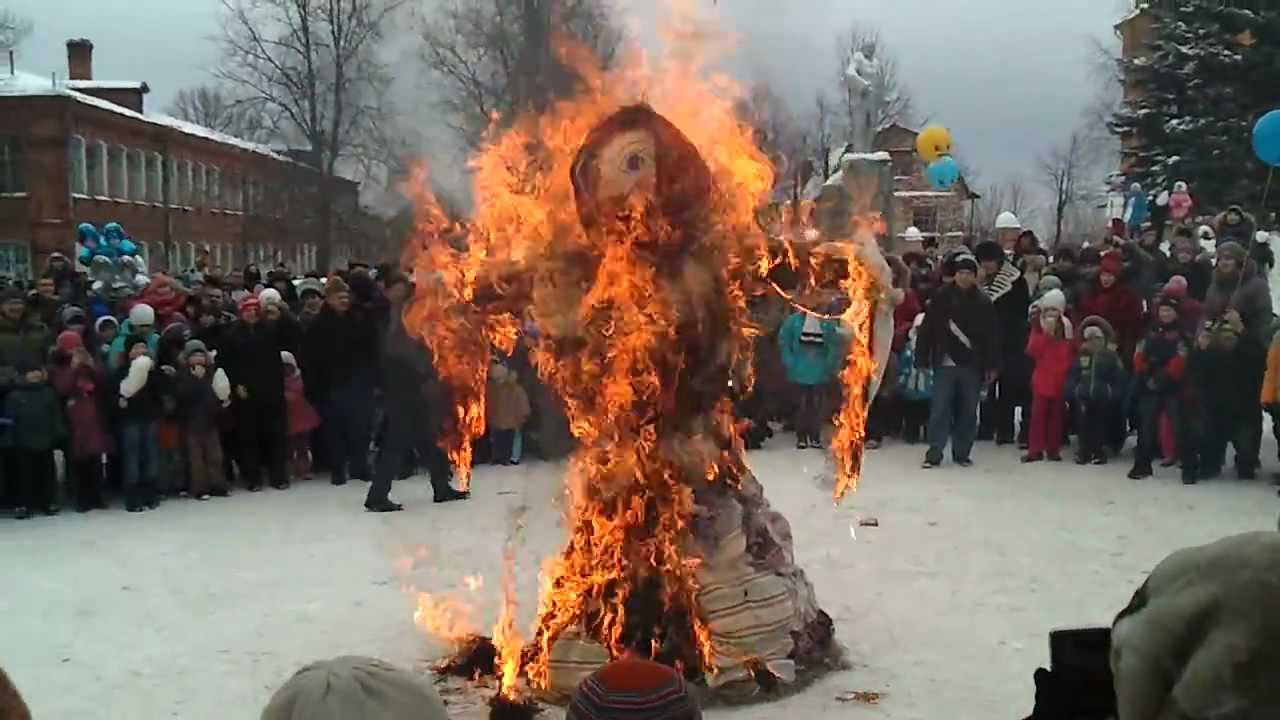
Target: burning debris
(629, 237)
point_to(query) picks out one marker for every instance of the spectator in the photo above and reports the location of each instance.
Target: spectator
(282, 282)
(141, 386)
(958, 341)
(142, 322)
(1066, 267)
(633, 688)
(355, 687)
(276, 311)
(202, 392)
(343, 349)
(30, 405)
(45, 303)
(105, 331)
(917, 388)
(1097, 384)
(303, 419)
(68, 284)
(1116, 303)
(1270, 395)
(1237, 285)
(1189, 309)
(507, 409)
(1159, 366)
(1222, 403)
(1050, 348)
(311, 296)
(252, 361)
(74, 318)
(1010, 296)
(1189, 261)
(81, 382)
(1235, 226)
(811, 354)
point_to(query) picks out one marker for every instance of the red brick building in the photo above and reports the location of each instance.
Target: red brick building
(82, 150)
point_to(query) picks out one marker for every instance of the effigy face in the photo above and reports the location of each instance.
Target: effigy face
(626, 169)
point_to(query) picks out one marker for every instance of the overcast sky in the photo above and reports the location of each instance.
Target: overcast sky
(1009, 77)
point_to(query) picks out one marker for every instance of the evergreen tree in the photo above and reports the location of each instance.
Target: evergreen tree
(1212, 72)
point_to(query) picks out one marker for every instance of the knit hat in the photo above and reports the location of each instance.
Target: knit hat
(1053, 300)
(310, 285)
(1049, 282)
(191, 348)
(1169, 301)
(1112, 263)
(1176, 287)
(177, 327)
(355, 687)
(71, 313)
(633, 689)
(105, 320)
(336, 285)
(964, 261)
(287, 358)
(989, 251)
(142, 314)
(250, 302)
(1008, 221)
(68, 340)
(1233, 250)
(1093, 332)
(270, 296)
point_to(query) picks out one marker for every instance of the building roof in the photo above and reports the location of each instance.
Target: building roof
(107, 85)
(21, 84)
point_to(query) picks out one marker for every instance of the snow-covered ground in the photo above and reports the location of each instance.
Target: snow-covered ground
(199, 610)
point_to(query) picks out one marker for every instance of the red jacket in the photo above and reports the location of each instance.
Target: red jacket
(1053, 358)
(903, 317)
(1120, 306)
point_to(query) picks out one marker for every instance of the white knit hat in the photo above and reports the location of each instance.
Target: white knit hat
(270, 296)
(1008, 221)
(913, 234)
(142, 314)
(1054, 299)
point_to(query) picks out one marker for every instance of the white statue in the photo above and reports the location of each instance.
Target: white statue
(866, 95)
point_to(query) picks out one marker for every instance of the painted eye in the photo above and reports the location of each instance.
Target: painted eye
(635, 162)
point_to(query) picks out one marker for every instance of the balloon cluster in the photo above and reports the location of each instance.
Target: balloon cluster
(115, 267)
(934, 145)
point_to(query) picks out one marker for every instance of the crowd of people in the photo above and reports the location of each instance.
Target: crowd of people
(211, 381)
(1172, 340)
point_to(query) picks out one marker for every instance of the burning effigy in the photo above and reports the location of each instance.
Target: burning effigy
(623, 224)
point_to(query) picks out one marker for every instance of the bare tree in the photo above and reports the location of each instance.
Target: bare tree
(1065, 172)
(214, 107)
(315, 65)
(822, 123)
(14, 28)
(492, 58)
(1013, 196)
(897, 105)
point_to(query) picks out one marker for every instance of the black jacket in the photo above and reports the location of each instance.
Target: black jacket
(341, 349)
(1011, 298)
(973, 315)
(198, 406)
(251, 357)
(148, 404)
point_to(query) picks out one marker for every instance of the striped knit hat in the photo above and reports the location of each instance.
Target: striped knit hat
(633, 689)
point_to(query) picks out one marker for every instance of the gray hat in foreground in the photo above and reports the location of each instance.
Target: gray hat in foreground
(352, 687)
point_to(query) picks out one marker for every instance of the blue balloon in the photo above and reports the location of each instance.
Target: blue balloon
(1266, 138)
(943, 172)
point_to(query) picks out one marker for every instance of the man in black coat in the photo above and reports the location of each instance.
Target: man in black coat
(1007, 289)
(412, 418)
(958, 341)
(251, 359)
(342, 347)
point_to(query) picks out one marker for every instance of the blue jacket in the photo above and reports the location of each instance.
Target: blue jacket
(116, 354)
(810, 364)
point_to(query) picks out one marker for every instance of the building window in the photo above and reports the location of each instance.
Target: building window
(233, 193)
(199, 186)
(144, 252)
(137, 175)
(904, 164)
(118, 172)
(249, 188)
(925, 219)
(11, 180)
(96, 167)
(15, 260)
(214, 184)
(156, 181)
(186, 173)
(78, 179)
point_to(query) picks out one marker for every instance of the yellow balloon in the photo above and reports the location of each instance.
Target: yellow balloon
(933, 142)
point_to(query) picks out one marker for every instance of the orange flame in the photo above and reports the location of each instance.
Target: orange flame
(615, 327)
(506, 638)
(448, 618)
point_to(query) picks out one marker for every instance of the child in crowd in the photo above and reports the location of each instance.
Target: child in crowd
(105, 330)
(507, 405)
(1158, 367)
(303, 419)
(32, 405)
(141, 405)
(79, 380)
(917, 388)
(172, 477)
(1215, 368)
(811, 353)
(1096, 384)
(1050, 348)
(202, 392)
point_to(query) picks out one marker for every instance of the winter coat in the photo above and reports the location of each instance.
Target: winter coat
(1218, 378)
(302, 417)
(916, 383)
(340, 349)
(506, 403)
(960, 326)
(1250, 296)
(1135, 210)
(809, 363)
(145, 404)
(1146, 269)
(198, 400)
(1121, 307)
(251, 358)
(1097, 378)
(1199, 275)
(1053, 356)
(83, 391)
(116, 355)
(1011, 299)
(1075, 283)
(904, 317)
(1160, 362)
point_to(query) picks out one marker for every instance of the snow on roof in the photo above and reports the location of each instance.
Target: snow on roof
(23, 84)
(923, 193)
(107, 85)
(881, 156)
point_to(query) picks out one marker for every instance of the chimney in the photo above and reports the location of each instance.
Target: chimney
(80, 59)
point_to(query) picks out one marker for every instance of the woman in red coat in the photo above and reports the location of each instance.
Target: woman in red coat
(1116, 303)
(1051, 349)
(79, 381)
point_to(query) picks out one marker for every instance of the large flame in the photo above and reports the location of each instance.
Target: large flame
(624, 372)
